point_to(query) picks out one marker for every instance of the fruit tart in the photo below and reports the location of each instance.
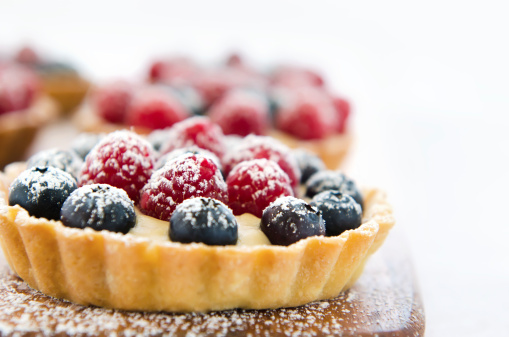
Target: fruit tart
(23, 110)
(291, 104)
(193, 233)
(59, 80)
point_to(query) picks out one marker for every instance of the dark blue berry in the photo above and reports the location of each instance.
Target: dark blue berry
(65, 160)
(203, 220)
(309, 163)
(288, 220)
(85, 142)
(42, 191)
(350, 188)
(340, 211)
(100, 207)
(189, 97)
(332, 180)
(159, 137)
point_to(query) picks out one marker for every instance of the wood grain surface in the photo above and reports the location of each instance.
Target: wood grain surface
(384, 302)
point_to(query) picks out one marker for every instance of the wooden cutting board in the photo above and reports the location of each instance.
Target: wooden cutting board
(384, 302)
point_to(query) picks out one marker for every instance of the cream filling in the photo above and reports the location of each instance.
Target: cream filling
(155, 229)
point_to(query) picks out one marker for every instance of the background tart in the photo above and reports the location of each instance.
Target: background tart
(18, 128)
(138, 273)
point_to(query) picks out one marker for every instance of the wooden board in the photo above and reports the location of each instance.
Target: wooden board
(383, 302)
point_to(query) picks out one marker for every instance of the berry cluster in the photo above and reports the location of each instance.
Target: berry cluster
(183, 184)
(240, 99)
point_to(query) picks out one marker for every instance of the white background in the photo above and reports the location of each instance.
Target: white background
(429, 81)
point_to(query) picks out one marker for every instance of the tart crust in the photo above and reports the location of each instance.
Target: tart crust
(128, 272)
(18, 128)
(67, 88)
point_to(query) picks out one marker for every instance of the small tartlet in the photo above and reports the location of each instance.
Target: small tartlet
(135, 273)
(18, 128)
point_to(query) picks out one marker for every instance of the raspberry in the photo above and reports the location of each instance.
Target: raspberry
(343, 108)
(260, 147)
(27, 55)
(18, 87)
(241, 112)
(234, 60)
(112, 100)
(197, 131)
(187, 151)
(122, 159)
(288, 76)
(173, 70)
(186, 177)
(254, 184)
(214, 84)
(155, 108)
(311, 116)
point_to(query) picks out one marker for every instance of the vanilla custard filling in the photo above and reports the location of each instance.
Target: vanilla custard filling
(155, 229)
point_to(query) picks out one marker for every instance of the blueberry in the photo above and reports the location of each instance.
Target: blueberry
(159, 137)
(85, 142)
(350, 188)
(187, 151)
(42, 191)
(55, 67)
(340, 211)
(332, 180)
(288, 220)
(100, 207)
(188, 96)
(203, 220)
(65, 160)
(309, 163)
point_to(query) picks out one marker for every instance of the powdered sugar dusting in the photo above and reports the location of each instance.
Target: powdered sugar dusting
(122, 159)
(196, 131)
(103, 195)
(193, 206)
(187, 151)
(325, 180)
(254, 184)
(39, 180)
(261, 147)
(65, 160)
(180, 179)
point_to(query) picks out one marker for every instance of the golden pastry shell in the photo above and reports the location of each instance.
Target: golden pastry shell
(127, 272)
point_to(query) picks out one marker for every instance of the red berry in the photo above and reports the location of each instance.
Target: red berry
(294, 77)
(27, 55)
(112, 100)
(259, 147)
(122, 159)
(197, 131)
(241, 113)
(18, 87)
(213, 84)
(155, 108)
(311, 115)
(254, 184)
(173, 71)
(343, 109)
(234, 60)
(186, 177)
